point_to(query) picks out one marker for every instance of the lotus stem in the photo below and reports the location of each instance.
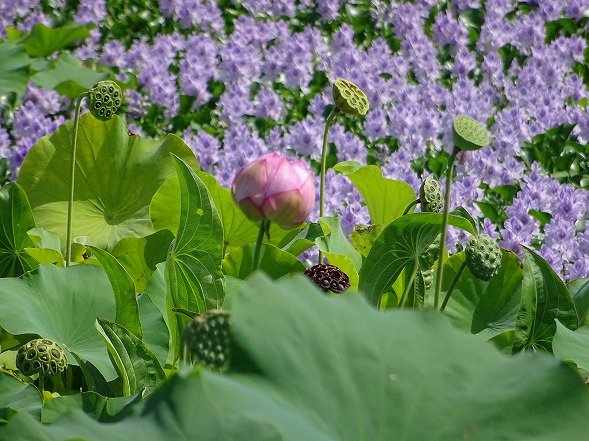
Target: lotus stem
(408, 287)
(412, 204)
(328, 124)
(264, 226)
(70, 204)
(452, 285)
(440, 272)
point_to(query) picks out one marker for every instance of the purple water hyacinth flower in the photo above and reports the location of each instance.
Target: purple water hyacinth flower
(268, 105)
(305, 137)
(114, 54)
(91, 11)
(553, 258)
(205, 147)
(46, 100)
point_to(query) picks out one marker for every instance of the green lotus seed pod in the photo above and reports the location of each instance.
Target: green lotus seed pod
(428, 277)
(469, 134)
(41, 356)
(483, 256)
(430, 196)
(105, 98)
(207, 339)
(349, 98)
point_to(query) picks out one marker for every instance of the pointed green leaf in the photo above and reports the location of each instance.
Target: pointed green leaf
(140, 255)
(116, 177)
(16, 219)
(16, 396)
(572, 345)
(579, 290)
(61, 304)
(193, 268)
(484, 308)
(127, 310)
(544, 299)
(399, 247)
(239, 263)
(335, 241)
(385, 198)
(137, 366)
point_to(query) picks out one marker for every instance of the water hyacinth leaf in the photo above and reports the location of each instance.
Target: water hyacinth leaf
(239, 262)
(16, 397)
(138, 368)
(238, 229)
(67, 76)
(484, 308)
(386, 199)
(116, 177)
(49, 299)
(140, 255)
(16, 219)
(401, 246)
(544, 299)
(42, 41)
(14, 70)
(572, 346)
(193, 268)
(101, 408)
(127, 310)
(335, 242)
(346, 381)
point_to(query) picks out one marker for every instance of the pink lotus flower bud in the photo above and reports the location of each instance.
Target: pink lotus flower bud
(275, 189)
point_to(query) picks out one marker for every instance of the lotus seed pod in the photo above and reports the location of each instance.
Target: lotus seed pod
(41, 356)
(469, 134)
(349, 98)
(428, 277)
(105, 98)
(483, 256)
(328, 278)
(430, 196)
(207, 339)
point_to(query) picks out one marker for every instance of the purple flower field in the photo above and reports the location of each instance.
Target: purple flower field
(236, 80)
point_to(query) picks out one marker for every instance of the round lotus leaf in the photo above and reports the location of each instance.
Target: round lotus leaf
(469, 134)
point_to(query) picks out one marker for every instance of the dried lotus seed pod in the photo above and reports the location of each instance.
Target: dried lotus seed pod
(328, 278)
(349, 98)
(105, 98)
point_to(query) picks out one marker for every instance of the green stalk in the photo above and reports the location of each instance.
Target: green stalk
(415, 202)
(328, 124)
(407, 288)
(42, 385)
(70, 204)
(452, 285)
(440, 272)
(264, 226)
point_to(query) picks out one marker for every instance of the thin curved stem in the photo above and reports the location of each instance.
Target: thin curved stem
(42, 385)
(70, 204)
(328, 124)
(407, 288)
(412, 204)
(264, 225)
(452, 286)
(440, 272)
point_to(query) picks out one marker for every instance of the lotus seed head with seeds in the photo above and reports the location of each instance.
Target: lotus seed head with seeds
(349, 98)
(105, 98)
(483, 256)
(469, 134)
(207, 339)
(41, 356)
(430, 196)
(328, 278)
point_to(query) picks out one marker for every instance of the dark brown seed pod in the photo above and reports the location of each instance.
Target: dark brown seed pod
(328, 278)
(104, 98)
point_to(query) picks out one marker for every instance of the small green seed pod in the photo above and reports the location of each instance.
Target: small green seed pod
(483, 256)
(41, 356)
(207, 339)
(105, 98)
(349, 98)
(430, 196)
(469, 134)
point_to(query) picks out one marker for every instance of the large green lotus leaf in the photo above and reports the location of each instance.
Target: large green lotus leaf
(116, 177)
(572, 345)
(16, 219)
(14, 69)
(545, 298)
(238, 229)
(401, 246)
(385, 198)
(485, 308)
(313, 367)
(61, 304)
(276, 263)
(579, 290)
(42, 41)
(16, 396)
